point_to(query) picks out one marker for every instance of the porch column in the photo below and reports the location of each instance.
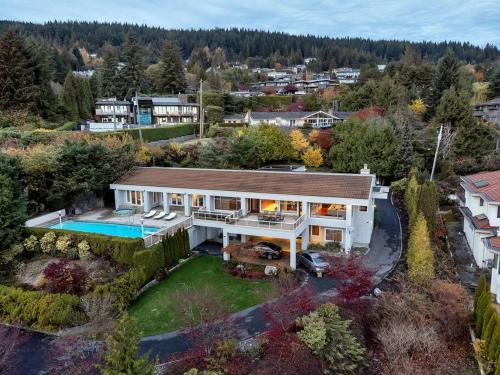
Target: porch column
(243, 206)
(166, 202)
(187, 205)
(305, 238)
(305, 209)
(146, 201)
(243, 238)
(349, 229)
(293, 253)
(225, 238)
(208, 202)
(118, 198)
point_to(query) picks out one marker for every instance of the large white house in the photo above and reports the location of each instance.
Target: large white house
(481, 212)
(300, 207)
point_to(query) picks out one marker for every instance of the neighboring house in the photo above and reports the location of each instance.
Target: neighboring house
(481, 211)
(112, 110)
(234, 118)
(347, 75)
(316, 84)
(488, 111)
(246, 93)
(312, 207)
(318, 119)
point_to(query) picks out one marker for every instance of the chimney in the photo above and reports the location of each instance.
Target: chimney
(365, 169)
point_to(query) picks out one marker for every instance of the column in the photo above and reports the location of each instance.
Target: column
(305, 209)
(118, 199)
(243, 206)
(187, 205)
(166, 202)
(225, 238)
(349, 229)
(243, 238)
(208, 202)
(305, 238)
(146, 201)
(293, 253)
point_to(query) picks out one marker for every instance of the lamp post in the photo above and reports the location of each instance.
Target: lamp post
(60, 219)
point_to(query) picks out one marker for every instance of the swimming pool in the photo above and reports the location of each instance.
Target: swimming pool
(110, 229)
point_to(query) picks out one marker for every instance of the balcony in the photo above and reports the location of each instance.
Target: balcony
(109, 112)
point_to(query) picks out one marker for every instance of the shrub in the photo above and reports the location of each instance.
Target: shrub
(334, 247)
(398, 188)
(411, 199)
(39, 309)
(63, 244)
(481, 355)
(494, 344)
(31, 244)
(166, 132)
(98, 306)
(65, 277)
(489, 328)
(47, 242)
(125, 287)
(149, 260)
(312, 158)
(482, 287)
(84, 250)
(420, 257)
(483, 304)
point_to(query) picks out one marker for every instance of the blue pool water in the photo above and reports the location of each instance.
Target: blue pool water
(109, 229)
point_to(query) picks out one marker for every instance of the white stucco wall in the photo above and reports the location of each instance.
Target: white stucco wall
(39, 220)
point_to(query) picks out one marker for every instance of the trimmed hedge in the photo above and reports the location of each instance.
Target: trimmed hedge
(39, 309)
(165, 132)
(175, 247)
(121, 249)
(150, 260)
(233, 125)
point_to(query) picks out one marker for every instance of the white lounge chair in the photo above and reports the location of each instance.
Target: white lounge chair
(160, 215)
(150, 214)
(171, 215)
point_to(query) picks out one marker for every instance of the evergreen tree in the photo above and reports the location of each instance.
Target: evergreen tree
(109, 72)
(132, 74)
(17, 86)
(494, 344)
(428, 203)
(77, 97)
(406, 153)
(58, 66)
(489, 328)
(494, 87)
(420, 257)
(122, 349)
(171, 77)
(445, 77)
(454, 109)
(77, 61)
(482, 286)
(483, 304)
(411, 199)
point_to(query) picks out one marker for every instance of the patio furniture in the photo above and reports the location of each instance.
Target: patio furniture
(171, 216)
(150, 214)
(161, 215)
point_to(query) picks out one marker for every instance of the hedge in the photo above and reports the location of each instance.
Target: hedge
(233, 125)
(165, 132)
(39, 309)
(150, 260)
(121, 249)
(175, 247)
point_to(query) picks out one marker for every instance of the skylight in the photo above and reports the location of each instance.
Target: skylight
(481, 183)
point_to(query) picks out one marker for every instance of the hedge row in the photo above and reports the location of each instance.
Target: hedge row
(233, 125)
(487, 327)
(39, 309)
(121, 249)
(165, 132)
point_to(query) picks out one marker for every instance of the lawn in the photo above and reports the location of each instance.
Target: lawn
(154, 309)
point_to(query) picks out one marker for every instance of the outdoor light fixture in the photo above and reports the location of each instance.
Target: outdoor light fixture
(60, 218)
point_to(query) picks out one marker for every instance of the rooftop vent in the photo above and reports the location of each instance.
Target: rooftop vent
(481, 183)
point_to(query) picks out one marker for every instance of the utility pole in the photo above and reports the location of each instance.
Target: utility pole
(114, 113)
(201, 109)
(138, 114)
(440, 135)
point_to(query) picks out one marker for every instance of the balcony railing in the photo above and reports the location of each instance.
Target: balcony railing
(332, 214)
(156, 237)
(265, 224)
(211, 215)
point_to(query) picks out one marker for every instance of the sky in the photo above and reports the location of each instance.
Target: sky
(475, 21)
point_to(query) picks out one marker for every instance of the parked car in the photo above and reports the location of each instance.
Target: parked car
(268, 250)
(313, 262)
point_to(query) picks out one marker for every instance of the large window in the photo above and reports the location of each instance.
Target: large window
(134, 198)
(288, 206)
(333, 235)
(268, 205)
(335, 211)
(498, 212)
(227, 203)
(198, 200)
(176, 199)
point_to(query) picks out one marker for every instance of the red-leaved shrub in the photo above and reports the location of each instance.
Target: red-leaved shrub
(65, 277)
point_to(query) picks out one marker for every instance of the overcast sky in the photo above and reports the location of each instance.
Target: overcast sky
(476, 21)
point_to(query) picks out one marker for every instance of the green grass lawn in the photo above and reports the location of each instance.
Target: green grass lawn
(154, 309)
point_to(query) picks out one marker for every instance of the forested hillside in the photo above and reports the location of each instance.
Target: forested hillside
(258, 48)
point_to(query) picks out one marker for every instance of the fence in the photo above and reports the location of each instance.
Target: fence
(156, 237)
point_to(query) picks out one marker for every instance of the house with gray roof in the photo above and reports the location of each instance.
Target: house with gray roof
(318, 119)
(488, 111)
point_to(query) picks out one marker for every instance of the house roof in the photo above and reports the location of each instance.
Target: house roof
(284, 115)
(288, 183)
(104, 101)
(492, 243)
(487, 184)
(234, 116)
(494, 101)
(342, 115)
(479, 222)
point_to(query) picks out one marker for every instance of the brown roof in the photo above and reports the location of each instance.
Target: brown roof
(491, 188)
(289, 183)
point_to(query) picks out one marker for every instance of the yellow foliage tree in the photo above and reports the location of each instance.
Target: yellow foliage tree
(313, 135)
(313, 158)
(417, 106)
(299, 142)
(411, 199)
(420, 258)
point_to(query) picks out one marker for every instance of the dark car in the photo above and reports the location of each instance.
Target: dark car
(313, 262)
(268, 250)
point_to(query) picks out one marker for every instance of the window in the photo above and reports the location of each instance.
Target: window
(288, 206)
(176, 199)
(333, 235)
(198, 200)
(268, 205)
(134, 198)
(227, 203)
(336, 211)
(363, 208)
(314, 230)
(498, 212)
(481, 202)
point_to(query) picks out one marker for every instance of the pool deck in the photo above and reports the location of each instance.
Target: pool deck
(107, 216)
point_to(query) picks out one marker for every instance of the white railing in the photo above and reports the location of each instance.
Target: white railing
(266, 224)
(211, 215)
(156, 237)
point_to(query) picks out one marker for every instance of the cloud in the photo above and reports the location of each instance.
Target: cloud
(475, 21)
